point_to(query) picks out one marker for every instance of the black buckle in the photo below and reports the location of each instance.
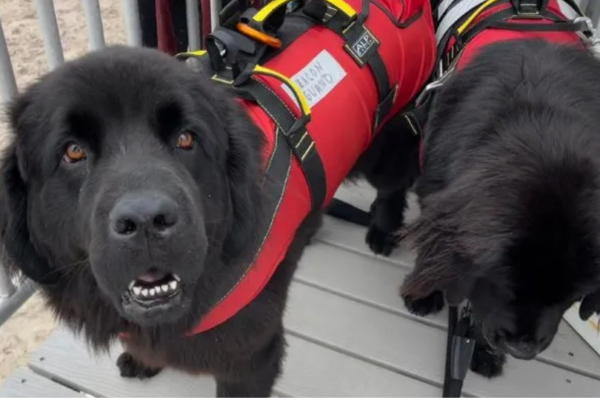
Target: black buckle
(229, 48)
(231, 53)
(299, 139)
(385, 107)
(272, 23)
(319, 10)
(528, 7)
(463, 346)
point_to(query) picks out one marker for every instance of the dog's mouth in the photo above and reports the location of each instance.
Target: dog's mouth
(153, 288)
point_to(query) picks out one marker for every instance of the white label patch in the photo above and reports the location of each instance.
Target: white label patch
(318, 78)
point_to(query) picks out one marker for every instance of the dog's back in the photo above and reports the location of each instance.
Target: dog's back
(510, 192)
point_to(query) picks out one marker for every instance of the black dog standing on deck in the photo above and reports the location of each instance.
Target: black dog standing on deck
(129, 175)
(510, 197)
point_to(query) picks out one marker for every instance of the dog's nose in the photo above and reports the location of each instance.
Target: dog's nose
(523, 351)
(149, 212)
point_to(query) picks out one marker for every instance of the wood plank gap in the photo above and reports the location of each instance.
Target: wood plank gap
(364, 253)
(403, 314)
(64, 382)
(368, 360)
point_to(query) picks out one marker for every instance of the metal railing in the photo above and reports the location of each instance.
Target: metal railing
(13, 295)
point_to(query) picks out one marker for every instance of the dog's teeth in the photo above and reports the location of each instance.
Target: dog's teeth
(173, 285)
(165, 288)
(137, 290)
(176, 277)
(131, 285)
(152, 292)
(157, 288)
(145, 292)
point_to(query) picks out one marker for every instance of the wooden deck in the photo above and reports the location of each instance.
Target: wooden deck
(349, 336)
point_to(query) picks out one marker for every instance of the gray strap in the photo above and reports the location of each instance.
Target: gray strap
(455, 14)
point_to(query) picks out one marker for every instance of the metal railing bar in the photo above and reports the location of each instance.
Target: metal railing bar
(132, 22)
(215, 9)
(9, 305)
(93, 17)
(8, 83)
(49, 31)
(7, 288)
(193, 24)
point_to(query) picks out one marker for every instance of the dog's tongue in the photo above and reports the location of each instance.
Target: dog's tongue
(151, 277)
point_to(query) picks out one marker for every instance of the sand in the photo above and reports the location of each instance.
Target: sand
(33, 322)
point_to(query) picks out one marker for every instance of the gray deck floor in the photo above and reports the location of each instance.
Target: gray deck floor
(349, 336)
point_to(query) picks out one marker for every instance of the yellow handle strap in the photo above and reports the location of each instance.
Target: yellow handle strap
(471, 18)
(267, 10)
(259, 70)
(189, 54)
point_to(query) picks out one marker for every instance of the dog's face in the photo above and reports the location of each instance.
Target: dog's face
(521, 259)
(121, 174)
(510, 194)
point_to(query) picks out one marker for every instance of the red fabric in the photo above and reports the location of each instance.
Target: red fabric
(491, 35)
(340, 126)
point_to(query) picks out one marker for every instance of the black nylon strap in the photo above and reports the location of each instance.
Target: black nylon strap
(297, 137)
(381, 76)
(361, 45)
(562, 26)
(459, 351)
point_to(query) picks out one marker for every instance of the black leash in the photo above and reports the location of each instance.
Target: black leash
(459, 350)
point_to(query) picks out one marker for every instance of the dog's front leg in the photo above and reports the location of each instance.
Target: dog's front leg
(387, 217)
(254, 376)
(133, 368)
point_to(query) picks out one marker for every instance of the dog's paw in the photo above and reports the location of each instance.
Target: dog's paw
(486, 361)
(431, 304)
(130, 368)
(380, 241)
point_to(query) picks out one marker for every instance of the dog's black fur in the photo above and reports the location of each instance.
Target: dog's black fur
(126, 108)
(510, 197)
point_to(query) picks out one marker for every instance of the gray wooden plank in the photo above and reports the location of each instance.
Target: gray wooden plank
(416, 349)
(351, 237)
(309, 371)
(376, 281)
(361, 195)
(25, 383)
(66, 359)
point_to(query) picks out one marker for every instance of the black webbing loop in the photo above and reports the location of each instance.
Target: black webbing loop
(296, 134)
(459, 351)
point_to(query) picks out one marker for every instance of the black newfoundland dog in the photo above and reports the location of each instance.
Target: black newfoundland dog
(510, 197)
(130, 173)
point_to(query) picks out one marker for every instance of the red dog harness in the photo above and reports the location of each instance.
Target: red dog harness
(464, 27)
(319, 99)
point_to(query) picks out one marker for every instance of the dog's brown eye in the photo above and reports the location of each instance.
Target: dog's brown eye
(73, 153)
(185, 141)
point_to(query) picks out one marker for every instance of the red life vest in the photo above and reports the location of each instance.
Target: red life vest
(502, 10)
(336, 70)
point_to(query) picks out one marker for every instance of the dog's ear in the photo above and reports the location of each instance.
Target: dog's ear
(590, 304)
(18, 250)
(439, 266)
(244, 146)
(442, 262)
